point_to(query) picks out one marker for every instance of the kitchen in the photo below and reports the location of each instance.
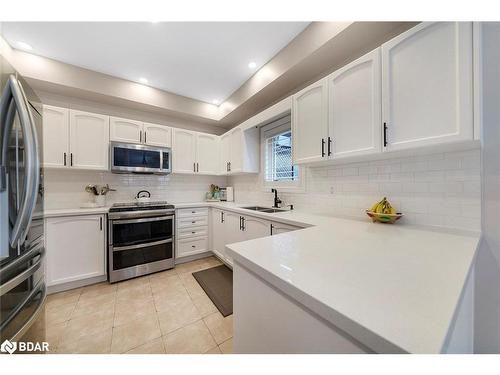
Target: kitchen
(252, 220)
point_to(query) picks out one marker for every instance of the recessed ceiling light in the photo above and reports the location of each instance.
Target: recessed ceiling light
(143, 80)
(24, 45)
(216, 101)
(252, 64)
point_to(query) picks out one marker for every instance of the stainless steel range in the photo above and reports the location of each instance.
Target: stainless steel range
(141, 239)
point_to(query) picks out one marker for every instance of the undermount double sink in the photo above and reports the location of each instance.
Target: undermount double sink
(264, 209)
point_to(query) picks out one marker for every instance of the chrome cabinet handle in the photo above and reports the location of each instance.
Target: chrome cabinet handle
(71, 158)
(64, 159)
(194, 167)
(140, 136)
(14, 97)
(145, 135)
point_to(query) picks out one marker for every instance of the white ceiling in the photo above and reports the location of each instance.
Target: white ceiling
(200, 60)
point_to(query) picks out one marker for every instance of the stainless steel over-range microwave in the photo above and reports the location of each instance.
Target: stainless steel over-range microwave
(134, 158)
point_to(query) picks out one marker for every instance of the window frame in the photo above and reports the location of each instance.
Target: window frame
(271, 129)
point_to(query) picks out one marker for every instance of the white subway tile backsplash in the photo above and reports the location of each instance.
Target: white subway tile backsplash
(441, 189)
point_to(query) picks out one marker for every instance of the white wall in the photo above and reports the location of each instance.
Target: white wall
(441, 189)
(487, 293)
(66, 188)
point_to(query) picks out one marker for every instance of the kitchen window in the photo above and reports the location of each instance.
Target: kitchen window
(278, 168)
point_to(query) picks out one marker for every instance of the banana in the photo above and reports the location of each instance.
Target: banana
(383, 207)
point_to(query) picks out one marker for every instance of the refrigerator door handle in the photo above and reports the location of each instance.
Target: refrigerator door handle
(7, 285)
(38, 289)
(14, 98)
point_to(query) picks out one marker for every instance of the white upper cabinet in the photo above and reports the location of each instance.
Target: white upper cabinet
(124, 130)
(89, 140)
(130, 131)
(225, 145)
(240, 151)
(310, 123)
(75, 139)
(157, 135)
(207, 154)
(427, 85)
(236, 151)
(355, 108)
(55, 136)
(183, 151)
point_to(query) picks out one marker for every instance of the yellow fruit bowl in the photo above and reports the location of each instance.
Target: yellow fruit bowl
(384, 218)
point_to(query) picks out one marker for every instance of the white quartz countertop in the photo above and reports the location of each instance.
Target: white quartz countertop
(394, 288)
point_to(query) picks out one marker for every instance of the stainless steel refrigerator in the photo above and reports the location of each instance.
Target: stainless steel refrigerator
(22, 276)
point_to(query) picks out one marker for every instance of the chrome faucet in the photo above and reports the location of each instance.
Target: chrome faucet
(277, 201)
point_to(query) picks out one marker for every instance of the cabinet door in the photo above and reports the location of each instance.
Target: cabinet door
(157, 135)
(355, 107)
(184, 151)
(218, 233)
(232, 231)
(55, 136)
(89, 140)
(225, 147)
(124, 130)
(76, 248)
(236, 151)
(427, 85)
(278, 228)
(255, 228)
(207, 154)
(310, 123)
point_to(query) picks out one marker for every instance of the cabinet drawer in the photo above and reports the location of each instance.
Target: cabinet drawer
(190, 247)
(193, 232)
(190, 212)
(188, 222)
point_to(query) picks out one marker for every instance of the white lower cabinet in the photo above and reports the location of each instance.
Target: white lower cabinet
(76, 248)
(229, 227)
(253, 227)
(278, 228)
(192, 232)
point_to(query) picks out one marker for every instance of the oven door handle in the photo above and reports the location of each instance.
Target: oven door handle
(142, 245)
(143, 220)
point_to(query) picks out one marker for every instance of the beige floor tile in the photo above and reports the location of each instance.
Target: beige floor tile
(221, 328)
(191, 285)
(63, 298)
(227, 347)
(53, 334)
(95, 300)
(88, 325)
(127, 312)
(177, 315)
(155, 346)
(90, 344)
(163, 301)
(204, 304)
(135, 333)
(99, 289)
(170, 284)
(215, 350)
(189, 267)
(162, 275)
(94, 305)
(131, 283)
(58, 314)
(194, 338)
(132, 291)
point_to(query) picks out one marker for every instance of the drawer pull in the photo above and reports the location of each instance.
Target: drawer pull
(193, 222)
(193, 246)
(193, 232)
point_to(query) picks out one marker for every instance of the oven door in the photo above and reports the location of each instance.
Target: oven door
(140, 246)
